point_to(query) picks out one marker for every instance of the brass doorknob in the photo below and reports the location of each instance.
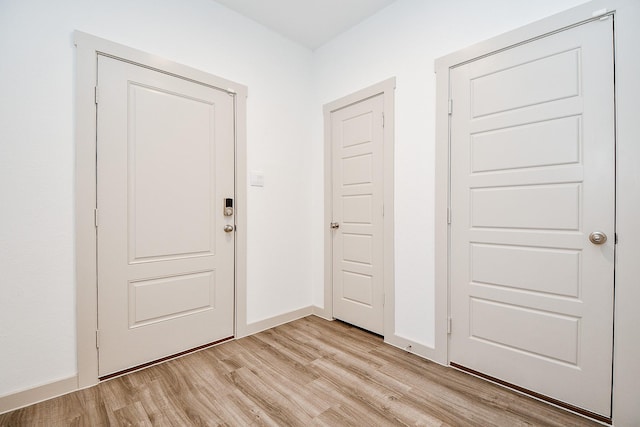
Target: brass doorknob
(228, 228)
(597, 237)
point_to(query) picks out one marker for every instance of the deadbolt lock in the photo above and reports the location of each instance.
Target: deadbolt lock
(228, 206)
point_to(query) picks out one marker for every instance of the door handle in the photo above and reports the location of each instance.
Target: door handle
(228, 228)
(335, 225)
(597, 237)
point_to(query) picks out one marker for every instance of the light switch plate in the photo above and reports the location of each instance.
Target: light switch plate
(256, 179)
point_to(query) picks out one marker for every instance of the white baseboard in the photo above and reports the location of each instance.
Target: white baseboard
(11, 402)
(261, 325)
(322, 313)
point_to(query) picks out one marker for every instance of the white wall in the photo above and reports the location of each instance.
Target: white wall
(403, 40)
(37, 76)
(287, 86)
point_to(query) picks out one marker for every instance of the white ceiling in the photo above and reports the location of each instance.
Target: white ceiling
(308, 22)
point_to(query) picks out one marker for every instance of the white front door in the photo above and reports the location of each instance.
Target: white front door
(358, 252)
(165, 163)
(532, 177)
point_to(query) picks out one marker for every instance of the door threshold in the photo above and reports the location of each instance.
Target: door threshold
(163, 359)
(551, 400)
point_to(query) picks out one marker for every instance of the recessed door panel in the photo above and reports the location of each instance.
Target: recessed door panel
(533, 332)
(171, 197)
(546, 143)
(357, 248)
(357, 170)
(548, 207)
(553, 271)
(357, 209)
(157, 300)
(549, 78)
(532, 176)
(357, 288)
(165, 162)
(357, 130)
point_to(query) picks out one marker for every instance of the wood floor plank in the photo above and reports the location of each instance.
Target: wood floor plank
(307, 372)
(132, 415)
(352, 409)
(283, 410)
(240, 410)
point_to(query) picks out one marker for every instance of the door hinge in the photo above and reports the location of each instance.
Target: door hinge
(95, 93)
(448, 325)
(383, 119)
(97, 338)
(448, 215)
(95, 217)
(615, 238)
(450, 106)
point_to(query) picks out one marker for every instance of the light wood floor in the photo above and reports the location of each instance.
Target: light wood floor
(308, 372)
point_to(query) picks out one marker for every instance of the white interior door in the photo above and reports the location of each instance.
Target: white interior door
(358, 252)
(165, 162)
(532, 175)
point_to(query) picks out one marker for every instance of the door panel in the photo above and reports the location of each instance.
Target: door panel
(543, 207)
(165, 265)
(532, 175)
(549, 78)
(553, 271)
(357, 138)
(169, 215)
(552, 337)
(547, 143)
(156, 300)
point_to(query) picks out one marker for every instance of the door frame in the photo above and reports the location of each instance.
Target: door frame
(88, 48)
(626, 14)
(386, 88)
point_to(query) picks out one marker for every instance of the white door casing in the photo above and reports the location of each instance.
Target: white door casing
(358, 243)
(532, 175)
(165, 163)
